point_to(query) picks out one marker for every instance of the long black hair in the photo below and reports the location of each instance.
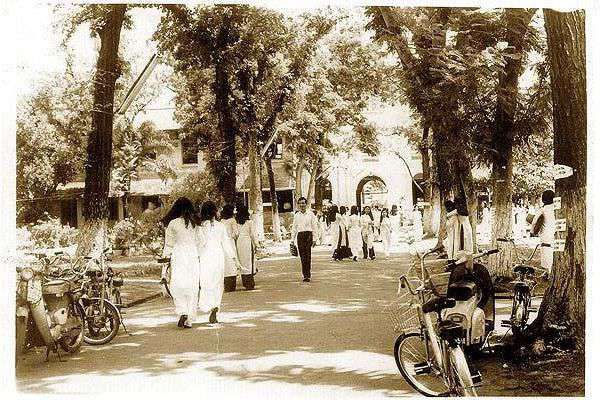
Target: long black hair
(227, 211)
(242, 215)
(208, 212)
(333, 211)
(354, 210)
(182, 208)
(387, 214)
(370, 214)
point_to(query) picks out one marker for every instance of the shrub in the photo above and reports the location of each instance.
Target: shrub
(196, 186)
(49, 232)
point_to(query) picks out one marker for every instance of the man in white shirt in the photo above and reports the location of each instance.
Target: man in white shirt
(304, 230)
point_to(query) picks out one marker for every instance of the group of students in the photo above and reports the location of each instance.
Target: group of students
(207, 253)
(355, 233)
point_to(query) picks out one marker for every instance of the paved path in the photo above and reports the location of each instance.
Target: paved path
(327, 338)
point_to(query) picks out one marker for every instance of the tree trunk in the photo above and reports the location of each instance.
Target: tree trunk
(428, 212)
(517, 20)
(310, 196)
(224, 165)
(255, 203)
(298, 181)
(441, 182)
(99, 147)
(564, 301)
(500, 264)
(276, 224)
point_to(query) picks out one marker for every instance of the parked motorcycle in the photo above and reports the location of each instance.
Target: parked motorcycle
(47, 310)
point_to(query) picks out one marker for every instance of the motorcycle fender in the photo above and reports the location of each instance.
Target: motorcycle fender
(477, 326)
(38, 312)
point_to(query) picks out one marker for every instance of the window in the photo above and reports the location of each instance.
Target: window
(278, 153)
(147, 199)
(189, 150)
(150, 155)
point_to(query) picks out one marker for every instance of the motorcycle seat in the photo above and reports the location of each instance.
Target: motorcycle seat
(117, 282)
(521, 286)
(450, 330)
(462, 290)
(523, 269)
(57, 287)
(437, 304)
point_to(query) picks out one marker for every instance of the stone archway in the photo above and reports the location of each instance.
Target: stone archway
(370, 188)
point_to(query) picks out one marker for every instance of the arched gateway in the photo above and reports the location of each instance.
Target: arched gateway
(371, 189)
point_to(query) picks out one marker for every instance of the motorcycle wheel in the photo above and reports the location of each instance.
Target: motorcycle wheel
(101, 327)
(72, 344)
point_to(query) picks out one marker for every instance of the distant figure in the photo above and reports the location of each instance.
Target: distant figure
(486, 220)
(417, 223)
(304, 227)
(246, 245)
(354, 233)
(183, 239)
(367, 226)
(395, 222)
(376, 223)
(543, 225)
(385, 227)
(338, 233)
(150, 208)
(216, 249)
(231, 269)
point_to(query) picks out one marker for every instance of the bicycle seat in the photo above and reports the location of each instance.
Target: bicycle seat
(521, 286)
(450, 330)
(462, 290)
(164, 260)
(523, 269)
(437, 304)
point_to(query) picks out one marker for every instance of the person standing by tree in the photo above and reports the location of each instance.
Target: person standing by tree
(216, 248)
(417, 218)
(182, 241)
(246, 244)
(231, 269)
(543, 226)
(304, 228)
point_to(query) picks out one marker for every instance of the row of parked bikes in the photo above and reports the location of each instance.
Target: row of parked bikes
(450, 315)
(64, 301)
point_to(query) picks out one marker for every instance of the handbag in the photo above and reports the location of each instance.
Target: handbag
(293, 249)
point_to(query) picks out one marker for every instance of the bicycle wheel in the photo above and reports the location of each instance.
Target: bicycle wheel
(420, 371)
(519, 314)
(101, 326)
(464, 381)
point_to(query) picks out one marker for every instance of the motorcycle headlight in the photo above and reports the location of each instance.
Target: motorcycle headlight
(26, 274)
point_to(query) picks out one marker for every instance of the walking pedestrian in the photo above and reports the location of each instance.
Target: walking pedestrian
(417, 223)
(339, 233)
(376, 223)
(183, 238)
(303, 228)
(217, 247)
(367, 226)
(354, 233)
(231, 269)
(386, 231)
(543, 225)
(246, 245)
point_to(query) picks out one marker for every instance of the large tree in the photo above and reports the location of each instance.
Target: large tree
(451, 62)
(564, 301)
(106, 23)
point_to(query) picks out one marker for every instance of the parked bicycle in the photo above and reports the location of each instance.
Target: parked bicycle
(522, 293)
(430, 356)
(101, 300)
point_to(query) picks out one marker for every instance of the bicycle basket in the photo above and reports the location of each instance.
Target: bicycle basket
(402, 313)
(435, 271)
